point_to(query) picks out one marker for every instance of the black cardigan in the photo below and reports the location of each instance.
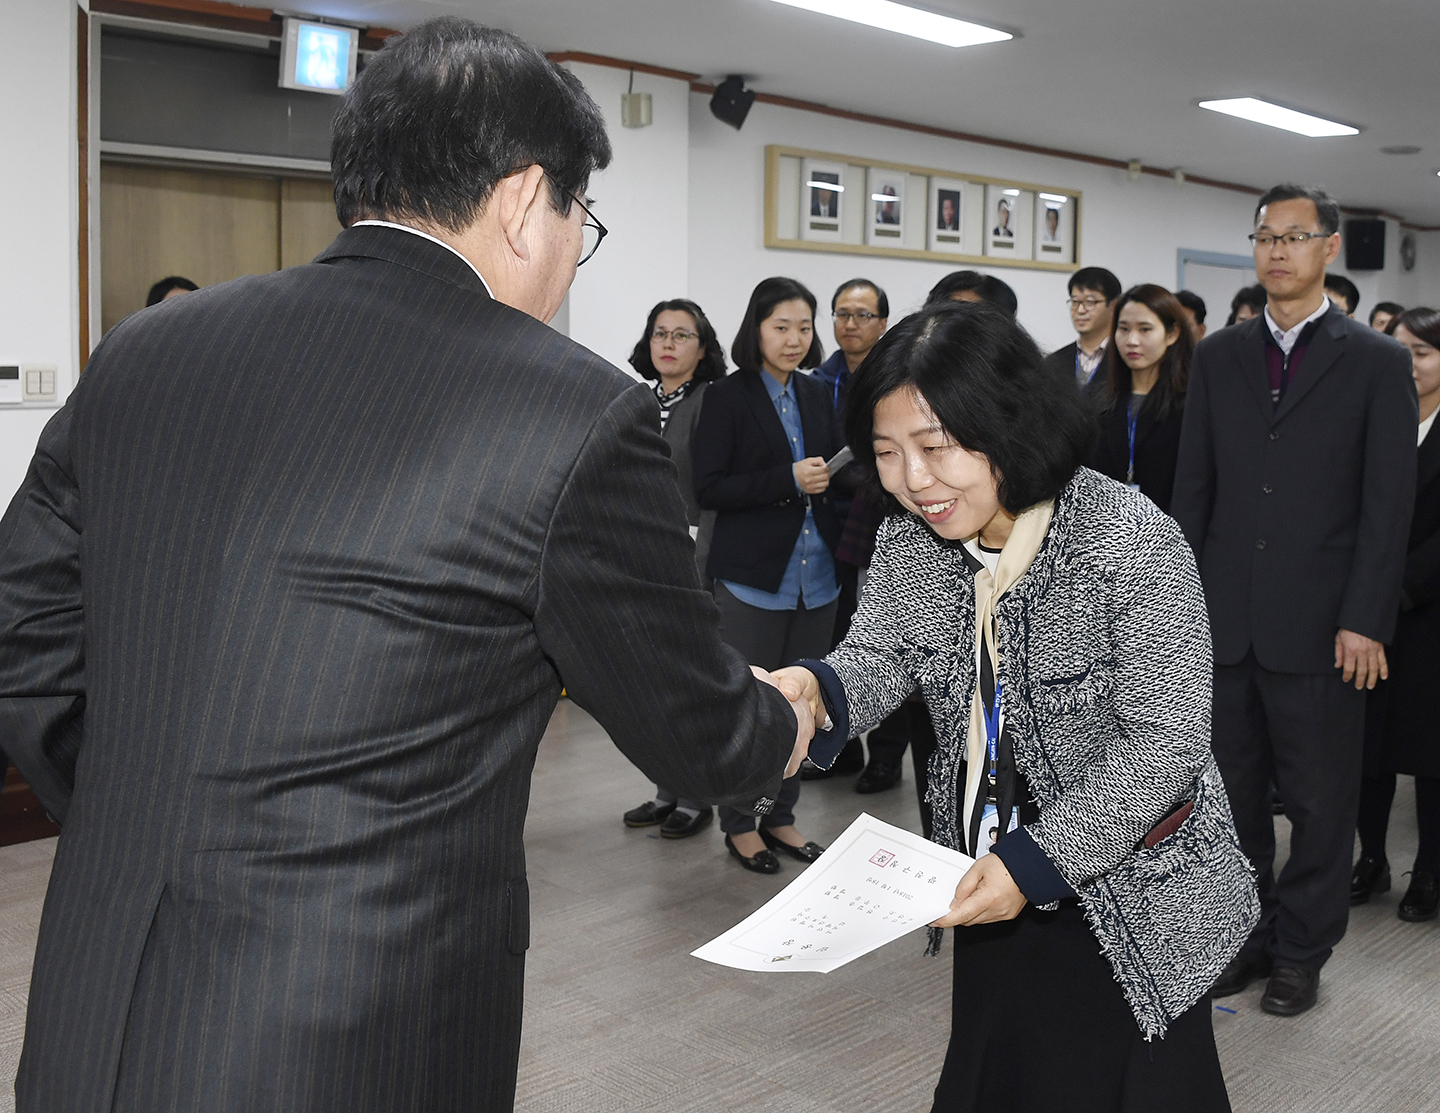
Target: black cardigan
(743, 471)
(1157, 443)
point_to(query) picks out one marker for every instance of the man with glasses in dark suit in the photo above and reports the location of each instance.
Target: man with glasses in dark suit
(1294, 486)
(347, 529)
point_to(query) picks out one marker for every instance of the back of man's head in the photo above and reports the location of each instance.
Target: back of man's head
(1348, 291)
(447, 110)
(980, 287)
(1193, 302)
(1095, 278)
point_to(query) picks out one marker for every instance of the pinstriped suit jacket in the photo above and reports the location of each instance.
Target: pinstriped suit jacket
(286, 601)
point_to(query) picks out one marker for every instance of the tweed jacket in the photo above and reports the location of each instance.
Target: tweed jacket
(1105, 648)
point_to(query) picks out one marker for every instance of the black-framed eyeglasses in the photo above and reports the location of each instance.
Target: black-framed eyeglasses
(1290, 239)
(864, 316)
(1086, 303)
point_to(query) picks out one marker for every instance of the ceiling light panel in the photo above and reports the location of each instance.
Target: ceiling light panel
(1276, 116)
(889, 16)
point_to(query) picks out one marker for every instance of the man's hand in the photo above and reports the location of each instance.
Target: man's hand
(986, 894)
(804, 718)
(1362, 659)
(812, 475)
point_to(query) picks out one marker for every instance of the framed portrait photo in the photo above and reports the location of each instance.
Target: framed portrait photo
(946, 220)
(1001, 226)
(822, 200)
(1054, 228)
(884, 206)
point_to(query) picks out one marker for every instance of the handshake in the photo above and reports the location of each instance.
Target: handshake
(802, 689)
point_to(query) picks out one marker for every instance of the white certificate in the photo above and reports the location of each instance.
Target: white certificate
(874, 884)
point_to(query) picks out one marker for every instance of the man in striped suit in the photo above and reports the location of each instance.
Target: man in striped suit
(287, 598)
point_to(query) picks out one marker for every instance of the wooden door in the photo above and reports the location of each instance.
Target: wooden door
(208, 226)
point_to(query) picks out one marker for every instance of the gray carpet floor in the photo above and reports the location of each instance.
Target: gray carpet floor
(619, 1017)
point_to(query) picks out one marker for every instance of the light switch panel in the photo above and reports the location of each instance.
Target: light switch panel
(39, 382)
(10, 385)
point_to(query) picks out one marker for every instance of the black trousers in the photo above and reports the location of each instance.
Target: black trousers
(1306, 732)
(771, 639)
(1377, 793)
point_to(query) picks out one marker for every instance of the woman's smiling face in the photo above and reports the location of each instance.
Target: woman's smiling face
(952, 489)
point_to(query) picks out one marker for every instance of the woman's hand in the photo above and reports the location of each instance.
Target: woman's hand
(812, 475)
(986, 894)
(801, 684)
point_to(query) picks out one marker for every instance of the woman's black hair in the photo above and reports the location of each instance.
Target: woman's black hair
(745, 350)
(983, 377)
(712, 359)
(1421, 322)
(445, 111)
(164, 286)
(986, 286)
(1174, 378)
(1253, 296)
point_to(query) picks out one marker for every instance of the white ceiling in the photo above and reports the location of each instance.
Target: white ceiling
(1117, 78)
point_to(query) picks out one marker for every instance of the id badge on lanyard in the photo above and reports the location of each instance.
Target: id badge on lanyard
(990, 831)
(1130, 471)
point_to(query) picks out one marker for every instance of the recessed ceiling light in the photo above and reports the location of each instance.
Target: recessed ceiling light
(889, 16)
(1276, 116)
(1011, 192)
(1058, 198)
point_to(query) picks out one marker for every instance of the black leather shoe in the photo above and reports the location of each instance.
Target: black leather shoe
(1370, 876)
(878, 776)
(1290, 991)
(809, 771)
(681, 825)
(807, 853)
(764, 862)
(1421, 901)
(648, 814)
(1239, 973)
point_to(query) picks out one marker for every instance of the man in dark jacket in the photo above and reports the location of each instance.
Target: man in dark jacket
(287, 599)
(1294, 487)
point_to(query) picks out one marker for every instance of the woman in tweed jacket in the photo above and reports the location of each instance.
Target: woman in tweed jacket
(1102, 918)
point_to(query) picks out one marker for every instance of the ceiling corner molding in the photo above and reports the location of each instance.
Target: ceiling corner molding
(220, 16)
(621, 64)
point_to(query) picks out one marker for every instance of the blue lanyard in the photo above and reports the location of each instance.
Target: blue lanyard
(992, 730)
(1133, 418)
(836, 398)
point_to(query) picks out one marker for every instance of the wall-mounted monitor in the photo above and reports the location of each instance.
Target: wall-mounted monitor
(318, 57)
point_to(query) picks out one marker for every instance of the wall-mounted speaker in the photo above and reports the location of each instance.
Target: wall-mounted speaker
(1365, 244)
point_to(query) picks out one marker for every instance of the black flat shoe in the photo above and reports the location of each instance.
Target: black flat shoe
(1421, 901)
(764, 862)
(1239, 973)
(1290, 991)
(807, 853)
(878, 776)
(681, 825)
(1370, 876)
(648, 814)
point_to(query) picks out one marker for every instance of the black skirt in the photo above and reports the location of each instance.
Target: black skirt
(1039, 1024)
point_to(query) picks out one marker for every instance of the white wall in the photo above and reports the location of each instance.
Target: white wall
(38, 270)
(1133, 228)
(643, 200)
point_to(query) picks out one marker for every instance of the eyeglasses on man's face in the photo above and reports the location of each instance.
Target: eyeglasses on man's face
(1087, 305)
(679, 335)
(860, 316)
(1265, 240)
(592, 232)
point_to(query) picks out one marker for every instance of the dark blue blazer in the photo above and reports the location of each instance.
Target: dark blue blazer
(1298, 513)
(743, 471)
